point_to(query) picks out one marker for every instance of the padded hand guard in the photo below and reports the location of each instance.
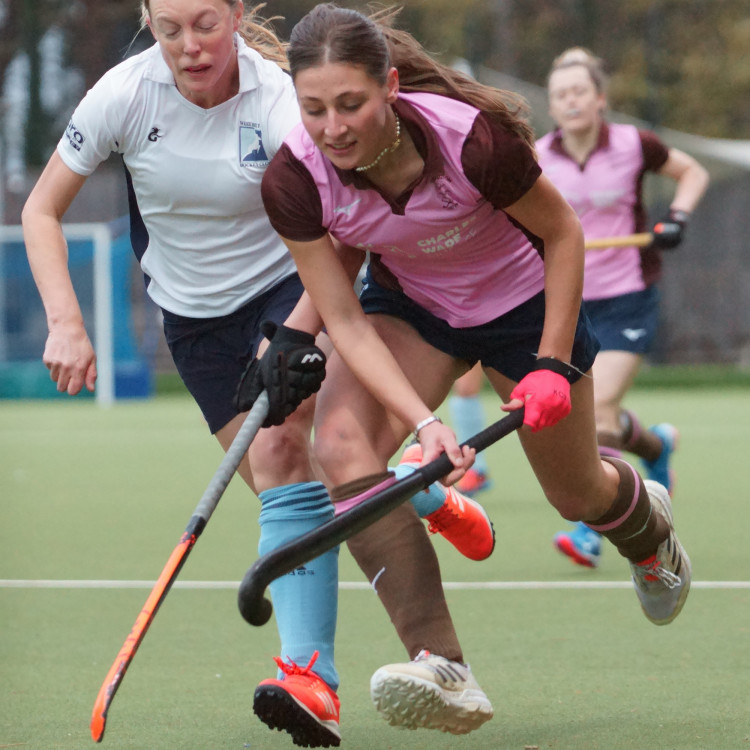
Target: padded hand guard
(669, 232)
(291, 370)
(546, 397)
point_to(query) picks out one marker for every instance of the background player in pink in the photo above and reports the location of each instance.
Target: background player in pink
(599, 167)
(475, 256)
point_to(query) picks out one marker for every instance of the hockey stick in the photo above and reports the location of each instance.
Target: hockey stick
(627, 240)
(198, 521)
(256, 609)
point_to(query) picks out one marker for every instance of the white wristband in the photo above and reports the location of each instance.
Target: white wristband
(429, 420)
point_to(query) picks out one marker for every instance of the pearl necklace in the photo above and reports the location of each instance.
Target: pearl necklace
(386, 150)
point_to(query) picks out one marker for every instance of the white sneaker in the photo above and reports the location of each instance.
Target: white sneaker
(662, 581)
(430, 692)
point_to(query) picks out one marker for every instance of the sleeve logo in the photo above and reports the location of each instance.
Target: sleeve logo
(75, 137)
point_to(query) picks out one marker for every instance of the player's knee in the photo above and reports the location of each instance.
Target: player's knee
(281, 450)
(334, 449)
(572, 506)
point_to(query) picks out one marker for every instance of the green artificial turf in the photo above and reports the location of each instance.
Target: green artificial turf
(104, 494)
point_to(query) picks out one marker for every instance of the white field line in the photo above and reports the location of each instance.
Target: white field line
(353, 585)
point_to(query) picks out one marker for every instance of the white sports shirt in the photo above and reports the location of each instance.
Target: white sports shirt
(196, 175)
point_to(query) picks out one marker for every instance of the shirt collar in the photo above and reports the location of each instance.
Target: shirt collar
(602, 141)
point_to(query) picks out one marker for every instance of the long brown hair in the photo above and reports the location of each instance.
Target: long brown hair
(257, 31)
(329, 33)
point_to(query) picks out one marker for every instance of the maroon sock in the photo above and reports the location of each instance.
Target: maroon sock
(636, 440)
(399, 560)
(631, 524)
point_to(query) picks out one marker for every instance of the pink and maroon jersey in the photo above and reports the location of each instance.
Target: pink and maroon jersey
(606, 193)
(446, 242)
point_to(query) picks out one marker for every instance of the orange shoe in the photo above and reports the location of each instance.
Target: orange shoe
(412, 454)
(461, 520)
(464, 523)
(300, 703)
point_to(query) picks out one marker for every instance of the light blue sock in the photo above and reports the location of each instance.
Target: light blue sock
(427, 501)
(305, 600)
(467, 417)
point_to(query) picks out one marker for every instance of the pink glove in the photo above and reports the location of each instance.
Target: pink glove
(546, 397)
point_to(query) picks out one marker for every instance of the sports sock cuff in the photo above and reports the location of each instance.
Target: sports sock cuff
(631, 429)
(287, 490)
(428, 500)
(624, 503)
(631, 524)
(346, 496)
(356, 486)
(292, 501)
(607, 452)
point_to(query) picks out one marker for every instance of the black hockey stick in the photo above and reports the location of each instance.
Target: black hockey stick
(256, 609)
(203, 511)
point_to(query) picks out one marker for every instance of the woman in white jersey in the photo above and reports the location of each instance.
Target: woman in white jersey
(599, 167)
(475, 256)
(196, 119)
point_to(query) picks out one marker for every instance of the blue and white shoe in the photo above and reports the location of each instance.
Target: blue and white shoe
(582, 545)
(658, 470)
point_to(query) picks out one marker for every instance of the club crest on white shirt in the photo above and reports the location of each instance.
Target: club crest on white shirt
(252, 152)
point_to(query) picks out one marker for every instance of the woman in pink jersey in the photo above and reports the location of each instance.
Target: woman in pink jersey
(474, 256)
(599, 167)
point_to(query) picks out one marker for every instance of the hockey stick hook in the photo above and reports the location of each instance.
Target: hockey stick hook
(256, 609)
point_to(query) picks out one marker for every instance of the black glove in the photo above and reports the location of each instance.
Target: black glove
(291, 370)
(668, 233)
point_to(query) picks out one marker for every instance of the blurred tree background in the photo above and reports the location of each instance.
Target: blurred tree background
(682, 64)
(681, 67)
